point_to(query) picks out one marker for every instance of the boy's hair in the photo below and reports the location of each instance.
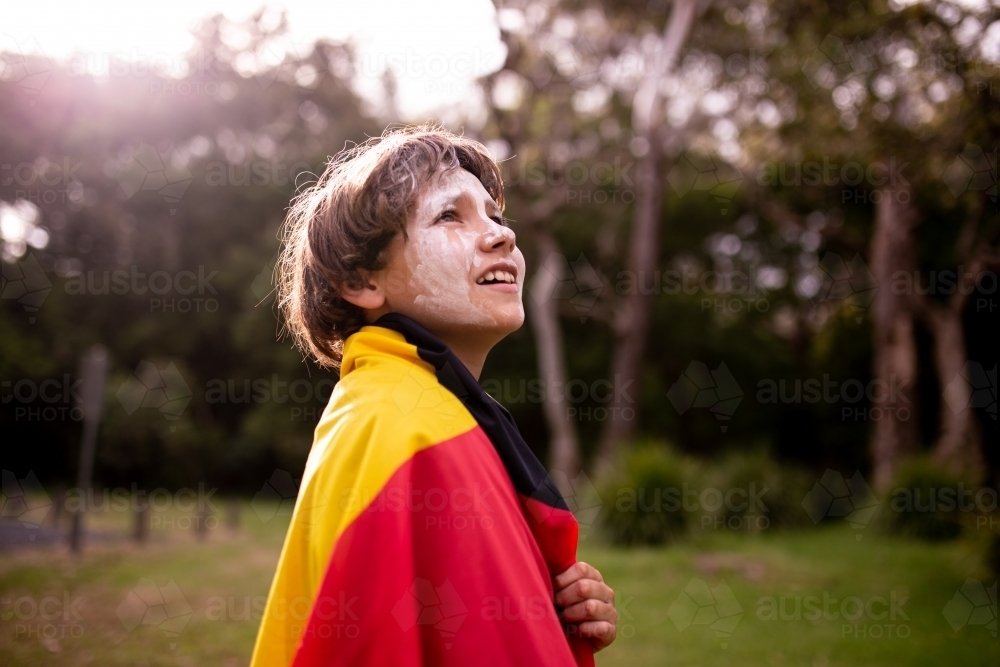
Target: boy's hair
(343, 223)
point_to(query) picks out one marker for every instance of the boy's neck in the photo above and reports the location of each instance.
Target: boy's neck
(469, 350)
(472, 356)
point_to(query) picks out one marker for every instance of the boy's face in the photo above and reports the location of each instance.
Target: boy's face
(460, 273)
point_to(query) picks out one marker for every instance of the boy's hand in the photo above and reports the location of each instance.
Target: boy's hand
(588, 603)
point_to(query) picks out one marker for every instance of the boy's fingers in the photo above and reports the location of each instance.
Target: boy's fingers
(589, 610)
(579, 570)
(600, 633)
(584, 589)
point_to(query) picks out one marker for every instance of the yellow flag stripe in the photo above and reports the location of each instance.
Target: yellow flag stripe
(387, 407)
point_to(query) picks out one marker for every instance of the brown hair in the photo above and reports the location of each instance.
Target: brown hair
(343, 223)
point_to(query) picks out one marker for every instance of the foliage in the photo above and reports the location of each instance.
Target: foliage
(744, 476)
(232, 147)
(928, 502)
(642, 497)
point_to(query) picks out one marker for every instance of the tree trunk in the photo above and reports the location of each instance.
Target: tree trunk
(634, 322)
(894, 434)
(959, 444)
(633, 326)
(565, 448)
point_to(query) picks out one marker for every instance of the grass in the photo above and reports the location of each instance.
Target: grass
(60, 610)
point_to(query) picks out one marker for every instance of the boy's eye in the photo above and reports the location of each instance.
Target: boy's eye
(452, 214)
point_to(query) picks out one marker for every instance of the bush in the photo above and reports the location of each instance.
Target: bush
(925, 502)
(758, 493)
(641, 497)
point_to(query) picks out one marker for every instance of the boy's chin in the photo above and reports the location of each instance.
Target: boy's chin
(509, 322)
(498, 326)
(509, 328)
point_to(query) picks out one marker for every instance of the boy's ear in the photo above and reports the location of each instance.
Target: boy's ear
(367, 294)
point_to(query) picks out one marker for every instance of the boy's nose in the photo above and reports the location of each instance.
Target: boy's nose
(498, 238)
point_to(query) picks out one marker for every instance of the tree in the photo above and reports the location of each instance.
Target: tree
(647, 122)
(902, 87)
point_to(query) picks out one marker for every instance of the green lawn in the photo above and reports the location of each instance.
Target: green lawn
(60, 611)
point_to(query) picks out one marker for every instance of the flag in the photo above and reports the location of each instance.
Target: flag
(425, 531)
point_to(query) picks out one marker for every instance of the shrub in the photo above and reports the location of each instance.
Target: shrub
(925, 502)
(758, 493)
(641, 497)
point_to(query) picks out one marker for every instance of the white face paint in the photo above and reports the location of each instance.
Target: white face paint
(455, 241)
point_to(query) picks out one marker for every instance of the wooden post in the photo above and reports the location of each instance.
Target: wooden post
(93, 368)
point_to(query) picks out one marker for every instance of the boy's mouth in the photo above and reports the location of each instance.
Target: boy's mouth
(501, 273)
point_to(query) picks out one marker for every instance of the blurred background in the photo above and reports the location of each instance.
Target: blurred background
(762, 244)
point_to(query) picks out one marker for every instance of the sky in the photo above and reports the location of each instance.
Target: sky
(436, 48)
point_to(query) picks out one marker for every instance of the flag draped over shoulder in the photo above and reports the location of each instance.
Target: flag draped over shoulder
(425, 531)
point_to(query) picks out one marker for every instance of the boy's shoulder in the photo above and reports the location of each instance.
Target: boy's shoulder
(390, 411)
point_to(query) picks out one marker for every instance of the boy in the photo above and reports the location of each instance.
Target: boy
(425, 531)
